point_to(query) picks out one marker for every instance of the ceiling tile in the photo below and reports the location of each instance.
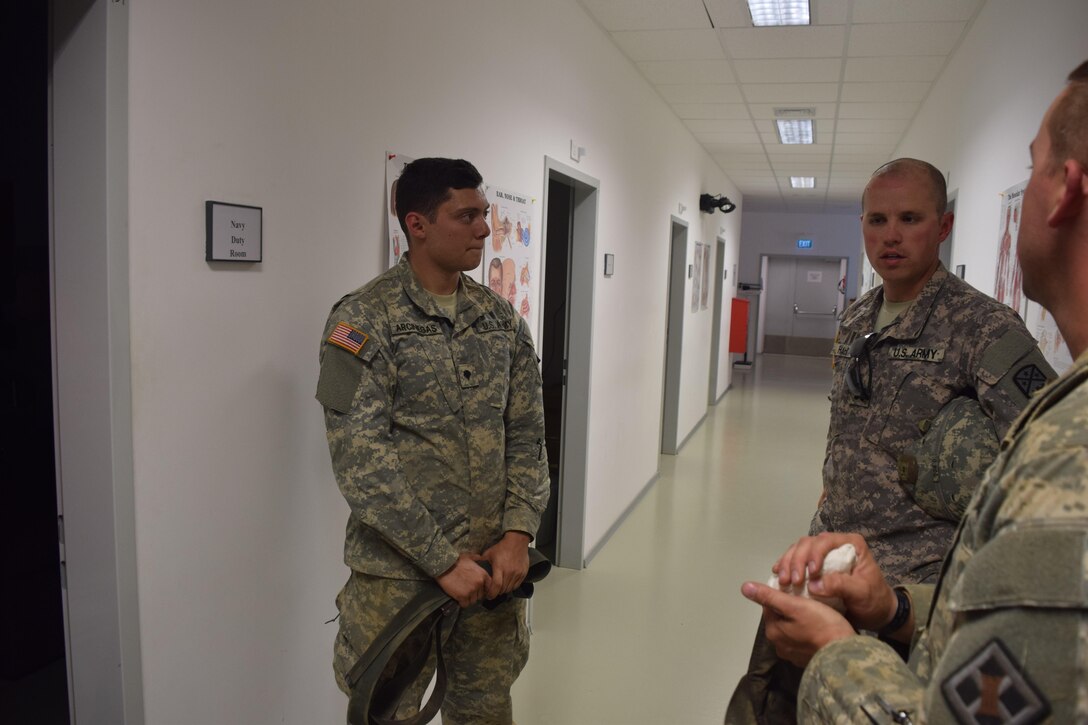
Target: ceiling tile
(753, 174)
(793, 167)
(641, 45)
(862, 161)
(843, 139)
(901, 68)
(814, 151)
(734, 150)
(852, 168)
(824, 111)
(710, 110)
(720, 126)
(898, 11)
(884, 92)
(750, 137)
(816, 41)
(878, 110)
(729, 13)
(829, 12)
(888, 39)
(724, 79)
(743, 161)
(687, 71)
(791, 94)
(695, 93)
(813, 70)
(862, 176)
(872, 125)
(859, 148)
(648, 14)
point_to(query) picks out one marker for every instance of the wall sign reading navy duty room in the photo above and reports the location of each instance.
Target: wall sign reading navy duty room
(233, 232)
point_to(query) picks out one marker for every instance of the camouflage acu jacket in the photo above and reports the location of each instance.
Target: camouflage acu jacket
(1007, 637)
(435, 426)
(953, 341)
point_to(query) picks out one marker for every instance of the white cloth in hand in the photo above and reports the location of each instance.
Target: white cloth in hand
(839, 560)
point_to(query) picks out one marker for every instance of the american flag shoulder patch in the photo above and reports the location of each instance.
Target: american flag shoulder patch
(347, 337)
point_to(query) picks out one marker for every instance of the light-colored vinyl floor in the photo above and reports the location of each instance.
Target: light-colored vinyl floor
(655, 629)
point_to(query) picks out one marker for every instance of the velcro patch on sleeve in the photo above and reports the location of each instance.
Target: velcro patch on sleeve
(992, 688)
(347, 337)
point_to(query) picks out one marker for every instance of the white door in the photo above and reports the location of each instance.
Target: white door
(803, 298)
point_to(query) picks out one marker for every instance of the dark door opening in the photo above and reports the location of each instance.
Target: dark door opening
(553, 348)
(33, 672)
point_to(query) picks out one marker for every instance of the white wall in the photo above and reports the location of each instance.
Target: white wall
(291, 107)
(985, 109)
(832, 235)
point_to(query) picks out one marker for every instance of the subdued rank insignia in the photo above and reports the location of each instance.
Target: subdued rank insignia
(1029, 379)
(991, 688)
(347, 337)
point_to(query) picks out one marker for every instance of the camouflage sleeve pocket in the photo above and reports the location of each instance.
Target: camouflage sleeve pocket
(341, 373)
(1016, 365)
(1027, 567)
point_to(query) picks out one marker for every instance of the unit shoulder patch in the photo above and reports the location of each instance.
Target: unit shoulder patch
(1028, 379)
(992, 688)
(347, 337)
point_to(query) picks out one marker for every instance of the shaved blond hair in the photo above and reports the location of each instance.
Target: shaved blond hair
(906, 166)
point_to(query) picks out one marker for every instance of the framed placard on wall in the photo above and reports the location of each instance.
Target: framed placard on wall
(233, 232)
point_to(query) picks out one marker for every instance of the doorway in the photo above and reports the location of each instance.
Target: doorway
(800, 304)
(33, 673)
(674, 334)
(570, 228)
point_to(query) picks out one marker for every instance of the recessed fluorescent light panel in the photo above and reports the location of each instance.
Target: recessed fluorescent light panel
(779, 12)
(795, 130)
(803, 182)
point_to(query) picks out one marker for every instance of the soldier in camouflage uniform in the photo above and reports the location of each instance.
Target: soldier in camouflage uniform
(952, 343)
(1003, 636)
(433, 410)
(906, 352)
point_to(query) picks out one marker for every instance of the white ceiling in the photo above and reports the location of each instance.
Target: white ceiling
(864, 66)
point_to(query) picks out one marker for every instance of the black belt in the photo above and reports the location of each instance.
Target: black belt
(374, 700)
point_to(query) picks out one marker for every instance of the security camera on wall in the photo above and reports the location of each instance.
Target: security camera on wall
(708, 203)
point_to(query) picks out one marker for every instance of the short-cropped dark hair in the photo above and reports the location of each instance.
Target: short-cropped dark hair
(425, 185)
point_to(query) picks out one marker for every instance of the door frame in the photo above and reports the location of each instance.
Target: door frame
(88, 182)
(716, 330)
(574, 459)
(674, 334)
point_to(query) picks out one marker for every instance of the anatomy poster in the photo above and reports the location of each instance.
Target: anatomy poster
(394, 164)
(697, 277)
(1008, 279)
(1041, 324)
(510, 252)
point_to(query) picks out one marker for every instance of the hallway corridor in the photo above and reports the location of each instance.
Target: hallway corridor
(655, 630)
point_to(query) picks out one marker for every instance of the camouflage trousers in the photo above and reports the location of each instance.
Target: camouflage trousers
(484, 651)
(767, 694)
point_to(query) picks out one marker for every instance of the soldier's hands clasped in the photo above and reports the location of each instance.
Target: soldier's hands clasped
(509, 560)
(465, 581)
